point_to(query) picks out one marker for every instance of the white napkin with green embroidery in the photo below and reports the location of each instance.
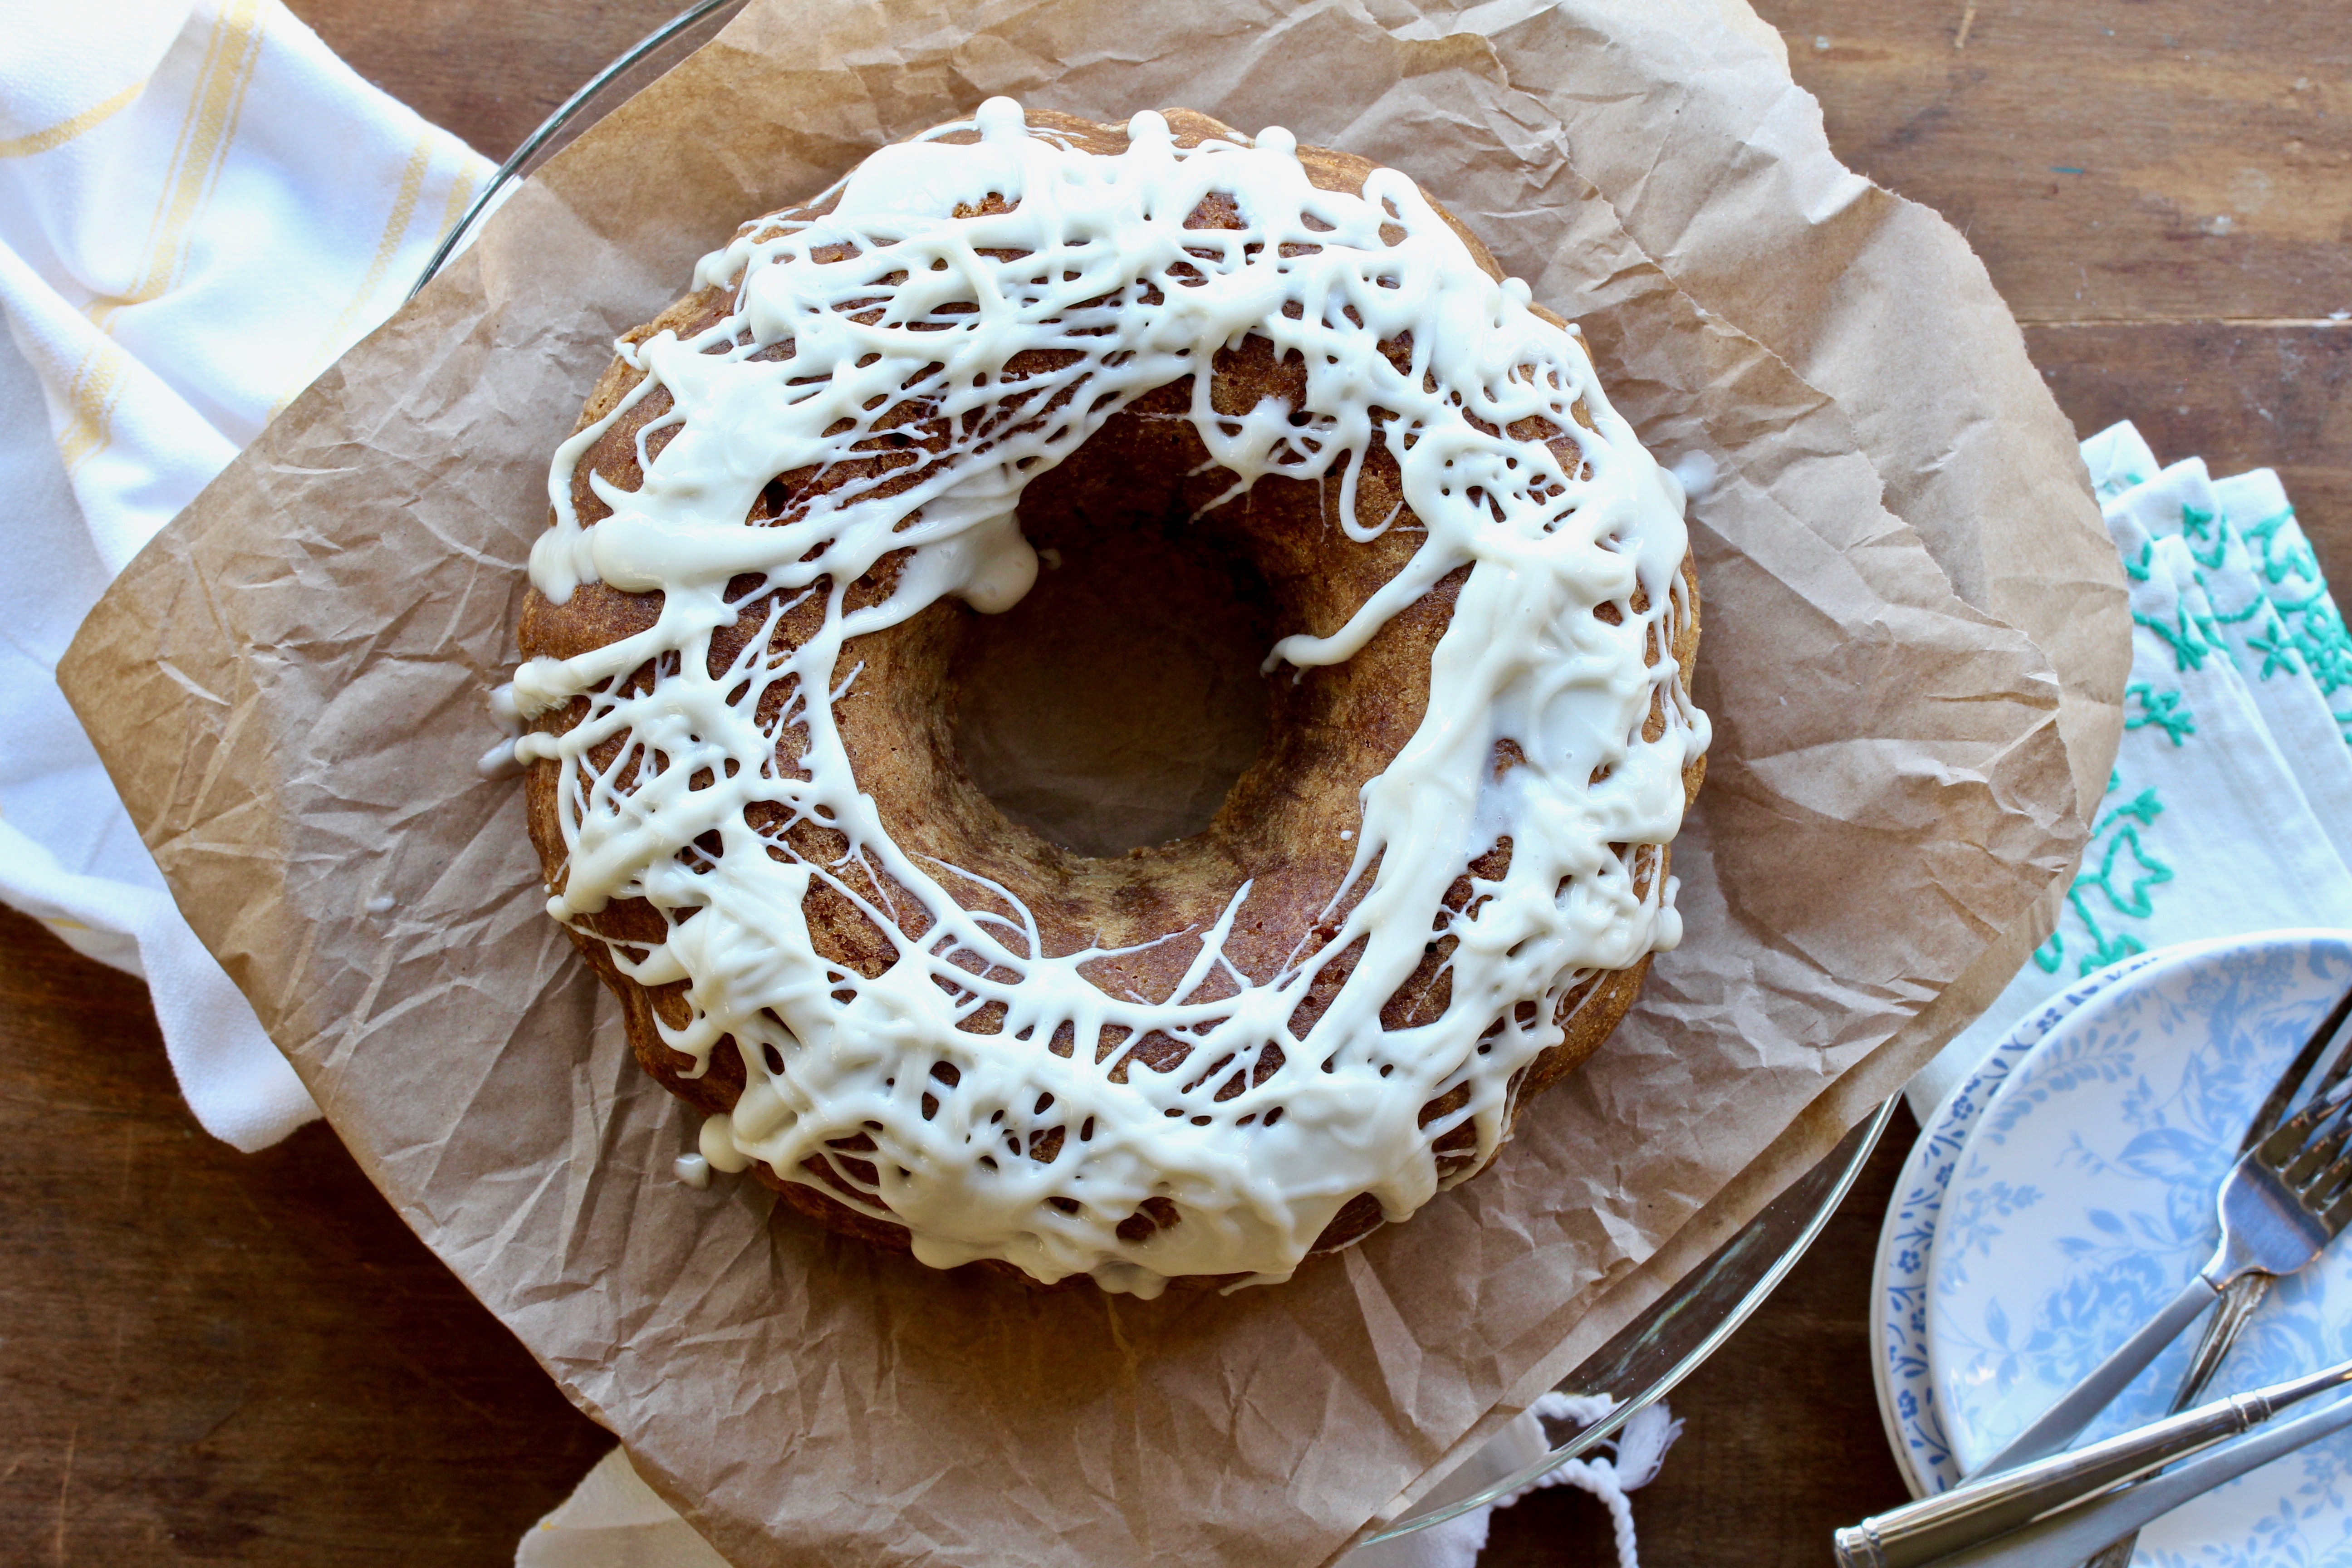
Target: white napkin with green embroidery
(2230, 808)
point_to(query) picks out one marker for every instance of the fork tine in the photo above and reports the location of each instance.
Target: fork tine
(2331, 1185)
(2317, 1162)
(2338, 1214)
(2298, 1129)
(2335, 1075)
(2333, 1179)
(2284, 1093)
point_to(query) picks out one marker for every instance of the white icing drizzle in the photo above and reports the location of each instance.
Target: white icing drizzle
(501, 762)
(1253, 1177)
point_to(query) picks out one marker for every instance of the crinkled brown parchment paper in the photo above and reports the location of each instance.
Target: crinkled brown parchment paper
(289, 686)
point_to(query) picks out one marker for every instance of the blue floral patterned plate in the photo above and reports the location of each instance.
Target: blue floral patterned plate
(2081, 1200)
(1898, 1324)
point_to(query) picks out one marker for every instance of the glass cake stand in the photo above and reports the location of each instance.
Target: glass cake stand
(1650, 1355)
(1667, 1344)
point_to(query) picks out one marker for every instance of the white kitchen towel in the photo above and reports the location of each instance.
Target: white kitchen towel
(201, 207)
(2230, 809)
(613, 1519)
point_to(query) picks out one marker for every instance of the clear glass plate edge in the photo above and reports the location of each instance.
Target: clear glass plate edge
(519, 162)
(1816, 1196)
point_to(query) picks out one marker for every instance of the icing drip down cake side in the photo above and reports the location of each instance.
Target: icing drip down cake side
(1169, 354)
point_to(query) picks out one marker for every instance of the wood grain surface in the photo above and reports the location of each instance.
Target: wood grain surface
(211, 1357)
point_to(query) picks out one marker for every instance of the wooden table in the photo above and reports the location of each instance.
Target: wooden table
(209, 1356)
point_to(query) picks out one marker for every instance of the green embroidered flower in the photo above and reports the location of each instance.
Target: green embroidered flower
(2099, 896)
(2276, 648)
(2291, 623)
(2278, 565)
(2164, 710)
(2188, 647)
(2195, 525)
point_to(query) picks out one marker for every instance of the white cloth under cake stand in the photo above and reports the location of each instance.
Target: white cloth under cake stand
(201, 207)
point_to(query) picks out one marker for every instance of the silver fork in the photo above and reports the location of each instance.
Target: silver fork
(2280, 1206)
(2246, 1292)
(2282, 1203)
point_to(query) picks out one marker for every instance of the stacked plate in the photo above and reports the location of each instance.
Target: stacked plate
(2065, 1192)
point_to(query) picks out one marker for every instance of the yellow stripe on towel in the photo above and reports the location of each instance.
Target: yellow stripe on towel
(230, 56)
(96, 385)
(64, 131)
(396, 229)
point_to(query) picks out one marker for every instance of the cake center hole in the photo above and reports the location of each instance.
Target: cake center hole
(1113, 707)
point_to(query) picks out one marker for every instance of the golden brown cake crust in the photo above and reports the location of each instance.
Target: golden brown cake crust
(1121, 497)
